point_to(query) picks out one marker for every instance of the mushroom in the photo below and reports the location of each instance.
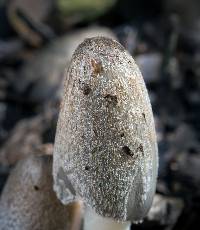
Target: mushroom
(105, 146)
(28, 201)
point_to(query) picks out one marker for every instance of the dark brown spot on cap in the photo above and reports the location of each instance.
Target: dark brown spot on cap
(111, 99)
(86, 89)
(140, 149)
(87, 168)
(36, 187)
(127, 151)
(144, 116)
(97, 67)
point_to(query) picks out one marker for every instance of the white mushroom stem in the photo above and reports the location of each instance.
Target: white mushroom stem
(93, 221)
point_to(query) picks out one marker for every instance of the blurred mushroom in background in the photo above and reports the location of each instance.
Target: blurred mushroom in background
(28, 201)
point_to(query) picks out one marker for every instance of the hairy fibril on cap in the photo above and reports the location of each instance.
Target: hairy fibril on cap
(105, 150)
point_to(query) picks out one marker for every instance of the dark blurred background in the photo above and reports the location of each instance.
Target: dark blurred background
(37, 39)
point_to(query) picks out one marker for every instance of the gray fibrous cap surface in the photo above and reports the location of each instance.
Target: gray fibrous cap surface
(105, 149)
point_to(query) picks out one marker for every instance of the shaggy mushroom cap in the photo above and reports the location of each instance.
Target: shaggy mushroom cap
(105, 150)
